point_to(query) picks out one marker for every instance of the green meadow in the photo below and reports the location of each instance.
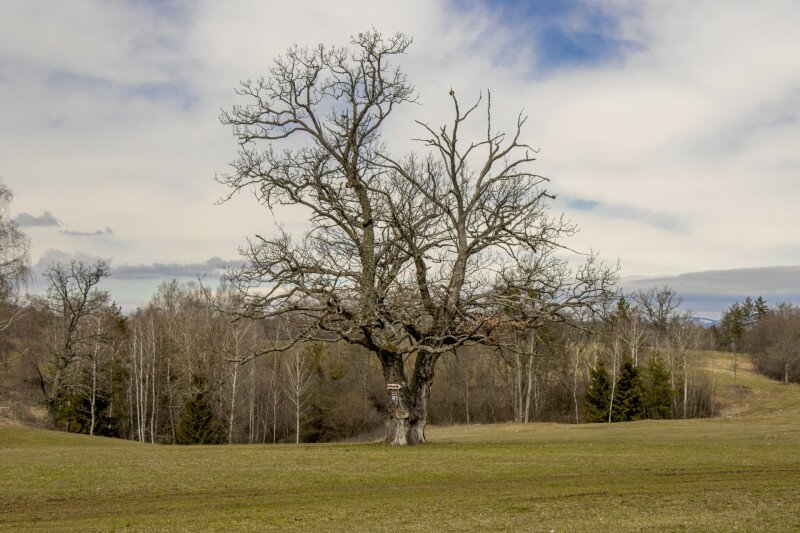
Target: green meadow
(739, 471)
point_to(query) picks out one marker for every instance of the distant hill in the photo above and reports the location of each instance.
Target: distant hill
(705, 322)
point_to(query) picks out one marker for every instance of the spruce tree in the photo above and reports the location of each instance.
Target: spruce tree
(657, 390)
(197, 423)
(731, 328)
(598, 395)
(628, 394)
(761, 308)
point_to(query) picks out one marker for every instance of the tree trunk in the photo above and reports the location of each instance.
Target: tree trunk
(297, 421)
(93, 396)
(408, 406)
(575, 370)
(614, 362)
(529, 384)
(466, 388)
(171, 403)
(518, 398)
(685, 386)
(251, 412)
(232, 416)
(52, 400)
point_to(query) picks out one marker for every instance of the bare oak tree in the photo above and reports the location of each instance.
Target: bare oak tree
(404, 255)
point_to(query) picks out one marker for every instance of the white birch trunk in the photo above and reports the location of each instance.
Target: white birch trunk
(233, 402)
(252, 410)
(154, 409)
(93, 397)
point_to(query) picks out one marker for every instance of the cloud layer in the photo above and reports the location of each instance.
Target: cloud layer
(710, 292)
(132, 286)
(668, 129)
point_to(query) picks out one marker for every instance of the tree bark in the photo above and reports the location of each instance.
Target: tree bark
(52, 400)
(408, 406)
(93, 396)
(529, 386)
(685, 386)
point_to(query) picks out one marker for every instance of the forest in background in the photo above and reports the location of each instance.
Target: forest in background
(171, 371)
(181, 368)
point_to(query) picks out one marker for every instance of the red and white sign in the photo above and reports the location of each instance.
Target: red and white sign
(392, 386)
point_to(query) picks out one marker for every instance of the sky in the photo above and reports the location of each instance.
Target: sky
(669, 130)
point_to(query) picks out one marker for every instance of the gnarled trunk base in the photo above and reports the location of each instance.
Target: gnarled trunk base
(403, 432)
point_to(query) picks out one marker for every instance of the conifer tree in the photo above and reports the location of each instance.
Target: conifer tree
(598, 395)
(761, 308)
(197, 423)
(657, 390)
(731, 328)
(628, 394)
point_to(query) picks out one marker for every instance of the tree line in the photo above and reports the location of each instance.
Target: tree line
(179, 369)
(770, 334)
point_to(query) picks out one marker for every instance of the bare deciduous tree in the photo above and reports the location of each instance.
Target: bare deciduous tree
(297, 385)
(14, 261)
(403, 255)
(543, 291)
(685, 337)
(775, 342)
(659, 304)
(73, 296)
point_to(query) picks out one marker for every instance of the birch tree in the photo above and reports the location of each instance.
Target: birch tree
(14, 261)
(103, 344)
(297, 386)
(684, 335)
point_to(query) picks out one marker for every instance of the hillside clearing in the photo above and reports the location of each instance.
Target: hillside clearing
(739, 471)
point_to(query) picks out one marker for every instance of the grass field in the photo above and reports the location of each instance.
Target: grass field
(740, 471)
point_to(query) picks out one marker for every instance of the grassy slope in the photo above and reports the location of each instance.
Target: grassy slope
(738, 471)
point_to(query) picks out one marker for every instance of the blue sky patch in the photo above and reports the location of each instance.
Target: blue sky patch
(563, 33)
(663, 221)
(582, 205)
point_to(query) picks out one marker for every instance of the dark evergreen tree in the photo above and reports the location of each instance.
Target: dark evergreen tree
(74, 414)
(657, 392)
(748, 312)
(731, 328)
(737, 320)
(598, 395)
(197, 424)
(761, 308)
(628, 394)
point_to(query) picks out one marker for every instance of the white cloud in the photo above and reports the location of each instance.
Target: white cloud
(110, 113)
